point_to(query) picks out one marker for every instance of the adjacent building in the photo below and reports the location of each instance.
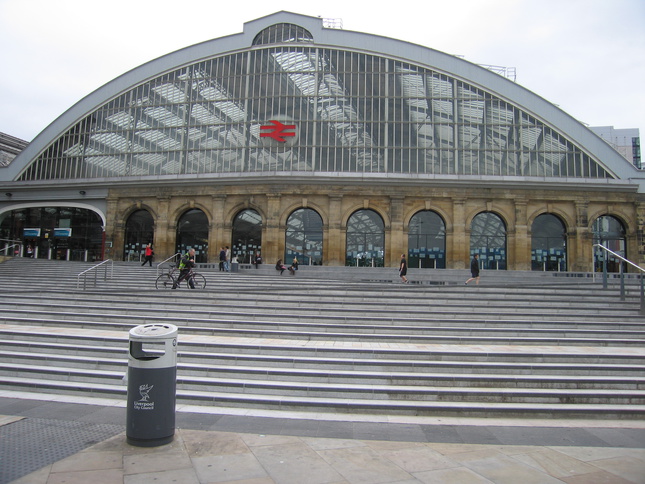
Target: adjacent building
(626, 141)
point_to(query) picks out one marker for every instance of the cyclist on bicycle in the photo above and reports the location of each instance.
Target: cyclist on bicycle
(185, 266)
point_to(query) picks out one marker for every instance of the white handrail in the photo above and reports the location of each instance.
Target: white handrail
(95, 269)
(620, 257)
(164, 261)
(9, 247)
(622, 276)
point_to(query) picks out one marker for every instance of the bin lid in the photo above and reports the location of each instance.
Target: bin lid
(164, 331)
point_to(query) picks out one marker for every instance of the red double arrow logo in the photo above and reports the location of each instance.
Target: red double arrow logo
(277, 131)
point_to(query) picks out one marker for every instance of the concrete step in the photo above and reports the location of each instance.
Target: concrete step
(100, 343)
(341, 340)
(506, 376)
(480, 408)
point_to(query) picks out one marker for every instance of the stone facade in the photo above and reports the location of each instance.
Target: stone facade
(395, 203)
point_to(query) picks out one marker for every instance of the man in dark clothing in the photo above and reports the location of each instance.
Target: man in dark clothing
(185, 266)
(474, 270)
(403, 269)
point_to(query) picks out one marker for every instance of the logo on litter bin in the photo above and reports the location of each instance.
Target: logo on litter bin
(144, 403)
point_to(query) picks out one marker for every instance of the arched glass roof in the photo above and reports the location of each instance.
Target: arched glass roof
(289, 104)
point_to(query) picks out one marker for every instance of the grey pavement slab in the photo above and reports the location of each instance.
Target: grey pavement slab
(56, 442)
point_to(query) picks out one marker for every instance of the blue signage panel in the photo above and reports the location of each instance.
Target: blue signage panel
(66, 232)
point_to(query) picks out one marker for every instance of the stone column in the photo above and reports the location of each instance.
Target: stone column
(398, 243)
(218, 235)
(164, 243)
(520, 241)
(334, 238)
(640, 232)
(273, 236)
(580, 250)
(114, 231)
(458, 246)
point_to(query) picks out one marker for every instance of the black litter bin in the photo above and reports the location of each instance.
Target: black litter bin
(152, 385)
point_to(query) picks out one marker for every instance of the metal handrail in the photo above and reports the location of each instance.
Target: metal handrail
(622, 275)
(95, 269)
(10, 246)
(168, 259)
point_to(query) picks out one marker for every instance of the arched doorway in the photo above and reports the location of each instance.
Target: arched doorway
(304, 237)
(139, 231)
(192, 233)
(427, 241)
(488, 239)
(609, 232)
(247, 236)
(548, 244)
(365, 239)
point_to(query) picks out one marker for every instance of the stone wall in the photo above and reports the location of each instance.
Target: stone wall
(396, 204)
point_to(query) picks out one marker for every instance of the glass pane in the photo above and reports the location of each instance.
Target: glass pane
(488, 239)
(427, 241)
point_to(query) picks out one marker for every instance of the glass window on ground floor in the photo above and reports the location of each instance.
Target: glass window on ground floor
(192, 233)
(365, 239)
(139, 231)
(488, 239)
(247, 236)
(304, 237)
(427, 241)
(609, 232)
(548, 244)
(63, 233)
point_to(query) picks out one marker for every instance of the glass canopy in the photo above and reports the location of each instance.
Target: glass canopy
(295, 106)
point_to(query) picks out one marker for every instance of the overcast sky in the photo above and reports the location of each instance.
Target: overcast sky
(586, 56)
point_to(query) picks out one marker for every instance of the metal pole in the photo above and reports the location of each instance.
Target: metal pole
(642, 311)
(604, 270)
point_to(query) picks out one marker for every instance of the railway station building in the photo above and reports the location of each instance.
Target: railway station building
(298, 138)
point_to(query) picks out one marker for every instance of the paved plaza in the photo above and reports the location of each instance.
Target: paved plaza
(62, 441)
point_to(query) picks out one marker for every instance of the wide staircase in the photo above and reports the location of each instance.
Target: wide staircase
(336, 340)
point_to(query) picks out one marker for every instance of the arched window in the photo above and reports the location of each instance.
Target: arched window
(427, 241)
(548, 244)
(488, 239)
(304, 237)
(283, 33)
(365, 239)
(247, 236)
(192, 233)
(139, 231)
(609, 232)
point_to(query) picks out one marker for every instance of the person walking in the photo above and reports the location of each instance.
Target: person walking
(227, 259)
(474, 270)
(185, 267)
(403, 269)
(149, 253)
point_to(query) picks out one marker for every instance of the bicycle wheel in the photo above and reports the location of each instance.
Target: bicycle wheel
(164, 281)
(199, 281)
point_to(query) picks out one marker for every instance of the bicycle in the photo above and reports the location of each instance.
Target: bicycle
(167, 280)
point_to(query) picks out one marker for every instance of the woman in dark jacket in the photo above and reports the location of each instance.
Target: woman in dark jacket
(474, 270)
(403, 269)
